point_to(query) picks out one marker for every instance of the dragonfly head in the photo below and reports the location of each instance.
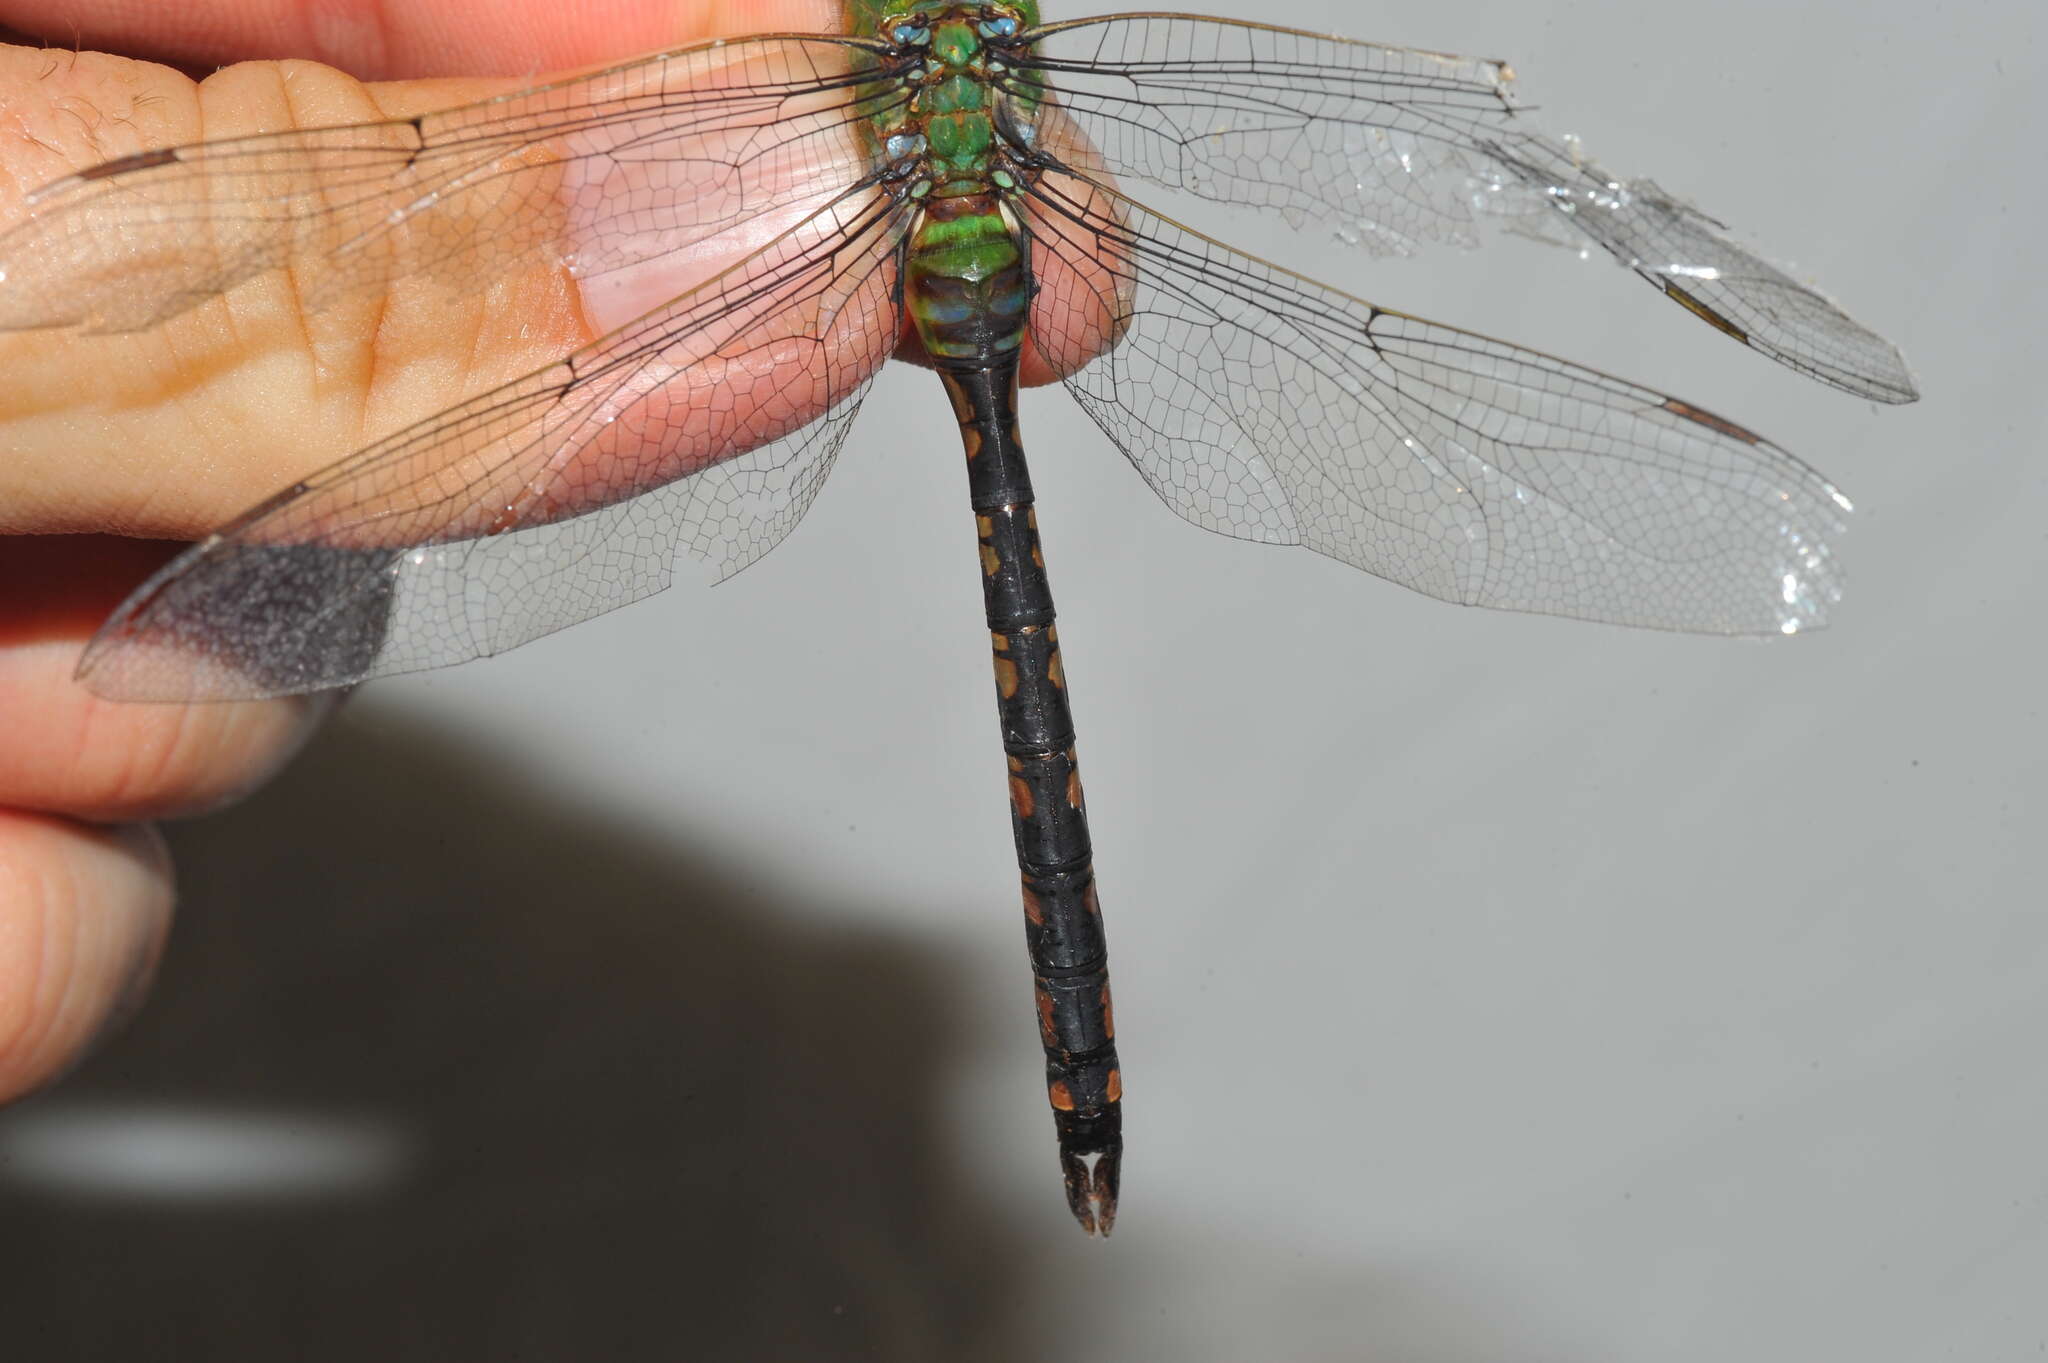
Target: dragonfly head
(909, 22)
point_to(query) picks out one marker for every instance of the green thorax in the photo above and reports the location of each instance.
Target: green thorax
(950, 100)
(967, 281)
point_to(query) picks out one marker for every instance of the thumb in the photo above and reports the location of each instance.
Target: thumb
(514, 38)
(165, 431)
(277, 301)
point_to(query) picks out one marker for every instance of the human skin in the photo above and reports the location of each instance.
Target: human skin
(113, 446)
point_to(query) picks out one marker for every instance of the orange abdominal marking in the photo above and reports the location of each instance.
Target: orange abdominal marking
(963, 404)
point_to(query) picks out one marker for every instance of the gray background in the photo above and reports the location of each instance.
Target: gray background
(1490, 988)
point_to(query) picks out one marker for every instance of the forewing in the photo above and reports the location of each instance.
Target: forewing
(1397, 147)
(601, 171)
(1268, 407)
(706, 426)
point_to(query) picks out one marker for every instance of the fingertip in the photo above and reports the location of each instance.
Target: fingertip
(140, 761)
(70, 752)
(85, 910)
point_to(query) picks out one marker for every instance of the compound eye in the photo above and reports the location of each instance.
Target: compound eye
(908, 30)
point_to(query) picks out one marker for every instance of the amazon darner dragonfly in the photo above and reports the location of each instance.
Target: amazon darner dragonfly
(754, 226)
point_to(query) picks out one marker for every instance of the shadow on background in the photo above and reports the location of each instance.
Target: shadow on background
(636, 1107)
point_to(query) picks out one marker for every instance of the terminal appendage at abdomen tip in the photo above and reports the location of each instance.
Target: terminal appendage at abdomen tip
(1091, 1160)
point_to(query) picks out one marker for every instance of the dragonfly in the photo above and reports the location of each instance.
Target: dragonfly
(949, 181)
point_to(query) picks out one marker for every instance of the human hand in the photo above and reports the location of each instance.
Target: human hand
(161, 435)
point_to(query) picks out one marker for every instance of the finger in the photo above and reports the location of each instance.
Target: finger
(456, 293)
(83, 915)
(68, 752)
(388, 42)
(167, 432)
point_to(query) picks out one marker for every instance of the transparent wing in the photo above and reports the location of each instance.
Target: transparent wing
(602, 171)
(1268, 407)
(706, 425)
(1399, 147)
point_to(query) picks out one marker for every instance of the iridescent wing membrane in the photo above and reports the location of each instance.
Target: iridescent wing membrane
(541, 503)
(1257, 403)
(1395, 147)
(1267, 407)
